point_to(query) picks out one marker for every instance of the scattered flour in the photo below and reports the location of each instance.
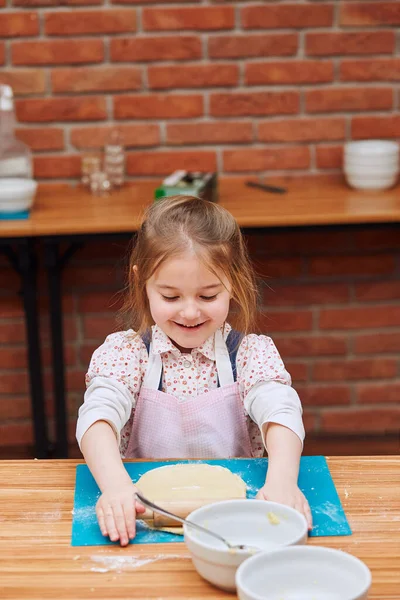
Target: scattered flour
(122, 563)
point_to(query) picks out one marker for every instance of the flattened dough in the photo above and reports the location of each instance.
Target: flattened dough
(191, 482)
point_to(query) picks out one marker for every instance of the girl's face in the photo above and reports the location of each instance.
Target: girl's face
(187, 301)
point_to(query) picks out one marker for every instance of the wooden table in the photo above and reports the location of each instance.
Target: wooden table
(37, 561)
(67, 216)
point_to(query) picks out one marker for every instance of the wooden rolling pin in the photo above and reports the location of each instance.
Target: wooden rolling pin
(182, 509)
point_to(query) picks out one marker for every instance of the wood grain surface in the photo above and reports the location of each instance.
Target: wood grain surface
(65, 210)
(38, 562)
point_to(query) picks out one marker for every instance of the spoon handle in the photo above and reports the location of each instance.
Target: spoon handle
(166, 513)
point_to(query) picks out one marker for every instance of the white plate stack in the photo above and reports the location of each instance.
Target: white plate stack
(371, 164)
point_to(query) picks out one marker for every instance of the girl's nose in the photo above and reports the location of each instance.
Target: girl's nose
(190, 311)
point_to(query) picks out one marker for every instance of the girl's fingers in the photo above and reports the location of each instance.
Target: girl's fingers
(120, 524)
(130, 518)
(101, 520)
(110, 524)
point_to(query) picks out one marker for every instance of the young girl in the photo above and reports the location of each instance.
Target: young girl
(188, 380)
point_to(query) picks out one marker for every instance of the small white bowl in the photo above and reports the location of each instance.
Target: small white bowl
(363, 182)
(368, 162)
(371, 171)
(16, 194)
(249, 522)
(371, 148)
(303, 573)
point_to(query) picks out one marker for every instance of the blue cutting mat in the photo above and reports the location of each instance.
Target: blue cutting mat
(314, 480)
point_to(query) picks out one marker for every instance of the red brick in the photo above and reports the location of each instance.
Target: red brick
(78, 22)
(300, 71)
(298, 242)
(192, 76)
(377, 394)
(375, 127)
(302, 130)
(158, 106)
(377, 290)
(242, 46)
(19, 24)
(253, 103)
(86, 351)
(184, 47)
(100, 302)
(285, 16)
(361, 421)
(278, 267)
(377, 344)
(310, 421)
(75, 380)
(348, 99)
(306, 294)
(164, 163)
(24, 81)
(50, 138)
(378, 69)
(298, 371)
(357, 42)
(133, 135)
(12, 433)
(57, 52)
(97, 328)
(86, 79)
(2, 53)
(15, 407)
(321, 395)
(329, 157)
(83, 277)
(356, 14)
(14, 383)
(383, 237)
(299, 320)
(12, 332)
(10, 306)
(152, 1)
(13, 357)
(214, 132)
(262, 159)
(61, 109)
(361, 317)
(55, 3)
(51, 167)
(301, 346)
(70, 330)
(351, 265)
(354, 368)
(70, 356)
(204, 18)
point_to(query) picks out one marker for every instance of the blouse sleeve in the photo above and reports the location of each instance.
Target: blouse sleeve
(261, 373)
(113, 382)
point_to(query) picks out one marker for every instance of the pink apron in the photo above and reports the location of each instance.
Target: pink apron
(212, 425)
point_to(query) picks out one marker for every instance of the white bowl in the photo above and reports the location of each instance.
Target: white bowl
(371, 148)
(367, 162)
(371, 171)
(364, 182)
(303, 573)
(16, 194)
(240, 522)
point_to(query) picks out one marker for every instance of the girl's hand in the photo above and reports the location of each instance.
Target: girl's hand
(116, 513)
(288, 494)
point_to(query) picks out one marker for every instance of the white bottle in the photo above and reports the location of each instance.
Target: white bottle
(114, 159)
(15, 156)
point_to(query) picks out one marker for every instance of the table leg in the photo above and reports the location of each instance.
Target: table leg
(26, 265)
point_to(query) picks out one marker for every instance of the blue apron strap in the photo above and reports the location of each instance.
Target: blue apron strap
(146, 338)
(232, 343)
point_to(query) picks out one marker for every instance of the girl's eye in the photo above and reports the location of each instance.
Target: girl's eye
(170, 298)
(208, 298)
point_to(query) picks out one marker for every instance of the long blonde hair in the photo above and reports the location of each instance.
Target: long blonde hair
(173, 226)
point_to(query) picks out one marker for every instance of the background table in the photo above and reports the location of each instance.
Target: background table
(37, 561)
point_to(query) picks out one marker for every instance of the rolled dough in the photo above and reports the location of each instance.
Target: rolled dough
(191, 482)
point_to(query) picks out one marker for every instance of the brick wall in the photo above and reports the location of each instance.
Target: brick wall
(331, 302)
(238, 86)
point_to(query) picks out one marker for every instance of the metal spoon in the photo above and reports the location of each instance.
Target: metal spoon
(161, 511)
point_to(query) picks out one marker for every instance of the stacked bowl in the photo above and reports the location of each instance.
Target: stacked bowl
(371, 164)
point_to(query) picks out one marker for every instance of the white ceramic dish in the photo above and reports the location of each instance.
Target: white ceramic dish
(240, 522)
(303, 573)
(364, 182)
(371, 148)
(16, 194)
(371, 171)
(374, 162)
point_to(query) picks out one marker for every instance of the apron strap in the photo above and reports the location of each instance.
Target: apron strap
(232, 343)
(154, 372)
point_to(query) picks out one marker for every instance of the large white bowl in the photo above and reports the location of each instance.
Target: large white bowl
(16, 194)
(371, 171)
(374, 182)
(371, 148)
(240, 522)
(368, 162)
(303, 573)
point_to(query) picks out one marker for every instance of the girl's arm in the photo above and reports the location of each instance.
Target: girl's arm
(116, 508)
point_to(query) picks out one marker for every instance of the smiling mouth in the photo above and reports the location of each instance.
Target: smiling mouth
(190, 327)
